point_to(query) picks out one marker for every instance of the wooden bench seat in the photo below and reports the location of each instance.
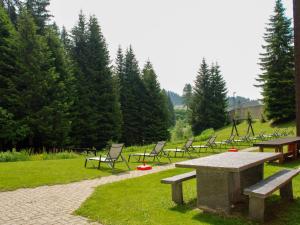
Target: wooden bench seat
(176, 182)
(259, 192)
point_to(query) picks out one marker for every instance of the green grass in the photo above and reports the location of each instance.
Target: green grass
(41, 171)
(145, 200)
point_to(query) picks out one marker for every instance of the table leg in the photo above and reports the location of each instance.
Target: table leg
(261, 148)
(280, 150)
(213, 190)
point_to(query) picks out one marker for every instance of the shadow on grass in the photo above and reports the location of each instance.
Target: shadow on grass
(289, 163)
(187, 206)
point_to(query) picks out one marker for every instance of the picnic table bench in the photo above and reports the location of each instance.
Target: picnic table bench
(222, 178)
(176, 182)
(278, 145)
(259, 192)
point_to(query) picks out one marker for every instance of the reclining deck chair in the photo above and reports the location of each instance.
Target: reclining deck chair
(211, 143)
(186, 148)
(112, 157)
(229, 141)
(156, 152)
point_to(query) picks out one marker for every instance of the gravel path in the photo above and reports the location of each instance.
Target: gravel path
(55, 204)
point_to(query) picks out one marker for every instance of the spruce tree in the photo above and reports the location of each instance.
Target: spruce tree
(12, 7)
(132, 93)
(96, 109)
(218, 98)
(170, 109)
(36, 85)
(277, 65)
(187, 95)
(156, 107)
(11, 129)
(201, 105)
(40, 13)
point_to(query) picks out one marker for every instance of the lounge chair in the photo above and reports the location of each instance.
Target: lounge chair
(156, 152)
(229, 141)
(243, 139)
(211, 143)
(112, 157)
(186, 148)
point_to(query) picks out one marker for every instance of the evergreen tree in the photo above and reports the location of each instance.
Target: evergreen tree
(36, 86)
(40, 13)
(277, 65)
(170, 108)
(218, 98)
(11, 130)
(156, 108)
(62, 90)
(132, 93)
(96, 109)
(11, 7)
(201, 100)
(65, 39)
(187, 96)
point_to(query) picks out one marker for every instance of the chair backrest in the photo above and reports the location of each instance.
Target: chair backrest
(189, 143)
(158, 148)
(212, 140)
(115, 151)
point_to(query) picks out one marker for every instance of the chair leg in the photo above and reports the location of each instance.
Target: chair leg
(99, 165)
(85, 163)
(129, 158)
(124, 160)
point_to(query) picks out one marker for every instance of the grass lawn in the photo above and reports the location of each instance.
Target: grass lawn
(145, 200)
(25, 174)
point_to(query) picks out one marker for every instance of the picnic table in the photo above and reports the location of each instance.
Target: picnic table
(278, 145)
(222, 178)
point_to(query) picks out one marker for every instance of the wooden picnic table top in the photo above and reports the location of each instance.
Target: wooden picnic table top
(278, 142)
(230, 161)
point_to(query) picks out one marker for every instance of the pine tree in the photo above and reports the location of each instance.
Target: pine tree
(277, 65)
(218, 98)
(65, 39)
(11, 130)
(96, 109)
(156, 107)
(201, 100)
(36, 86)
(187, 95)
(40, 13)
(11, 7)
(62, 90)
(132, 93)
(171, 111)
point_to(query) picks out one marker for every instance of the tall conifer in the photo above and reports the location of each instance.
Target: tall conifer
(277, 65)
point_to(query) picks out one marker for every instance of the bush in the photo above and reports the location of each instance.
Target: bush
(181, 131)
(14, 156)
(60, 155)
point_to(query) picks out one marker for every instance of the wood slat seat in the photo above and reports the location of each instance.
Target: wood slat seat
(176, 182)
(259, 192)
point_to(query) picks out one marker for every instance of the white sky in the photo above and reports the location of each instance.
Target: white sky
(176, 34)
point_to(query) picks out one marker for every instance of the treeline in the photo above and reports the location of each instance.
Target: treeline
(206, 101)
(59, 89)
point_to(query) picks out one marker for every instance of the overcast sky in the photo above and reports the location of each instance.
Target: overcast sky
(176, 34)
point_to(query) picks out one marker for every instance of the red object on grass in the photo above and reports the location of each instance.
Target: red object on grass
(233, 150)
(144, 167)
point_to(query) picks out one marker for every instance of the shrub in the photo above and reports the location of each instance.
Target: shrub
(14, 156)
(205, 135)
(60, 155)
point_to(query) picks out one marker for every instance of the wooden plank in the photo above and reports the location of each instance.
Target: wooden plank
(229, 161)
(278, 142)
(266, 187)
(179, 178)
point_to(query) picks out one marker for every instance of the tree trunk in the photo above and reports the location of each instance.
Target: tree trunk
(297, 60)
